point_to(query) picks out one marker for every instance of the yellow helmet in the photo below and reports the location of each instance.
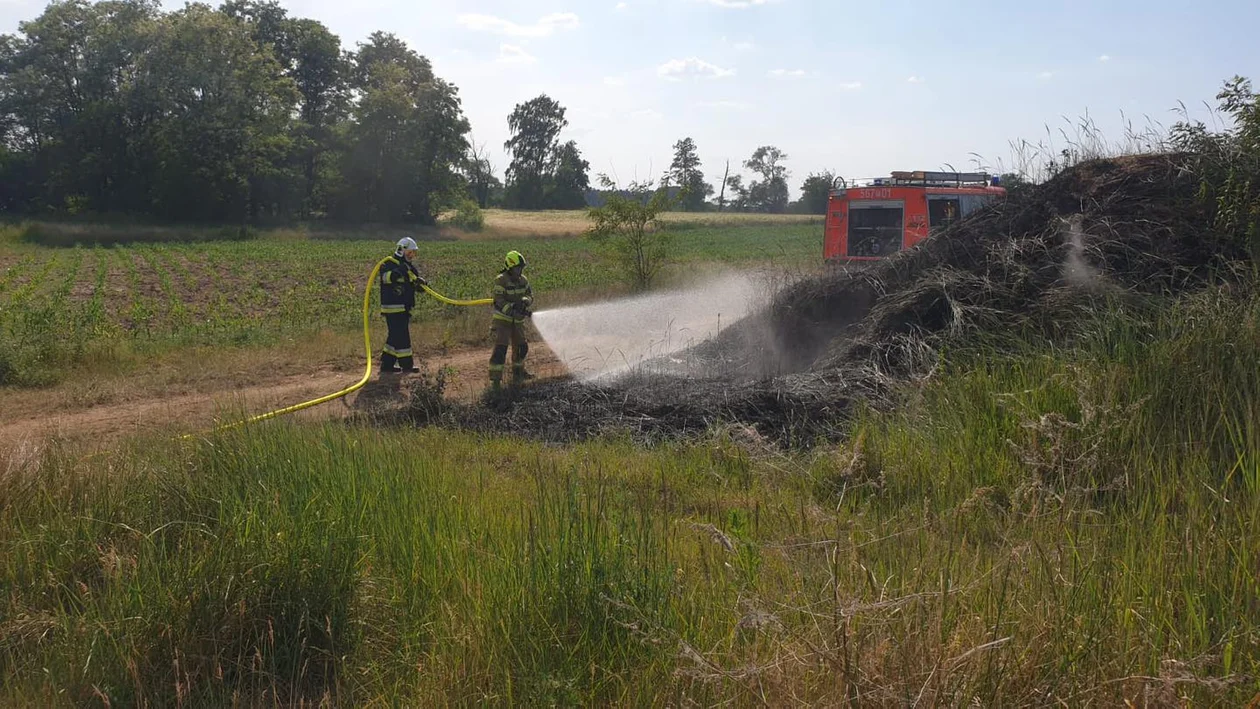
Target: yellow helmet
(514, 259)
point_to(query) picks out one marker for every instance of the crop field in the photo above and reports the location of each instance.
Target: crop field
(502, 222)
(164, 295)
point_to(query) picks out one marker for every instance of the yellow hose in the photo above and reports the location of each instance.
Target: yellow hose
(449, 301)
(367, 349)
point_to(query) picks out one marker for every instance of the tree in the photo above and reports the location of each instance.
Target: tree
(442, 144)
(739, 194)
(770, 194)
(384, 49)
(815, 192)
(479, 173)
(627, 223)
(70, 107)
(685, 172)
(535, 126)
(269, 26)
(238, 114)
(568, 181)
(321, 72)
(308, 54)
(407, 137)
(223, 114)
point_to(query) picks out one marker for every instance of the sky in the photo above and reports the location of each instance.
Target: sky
(857, 88)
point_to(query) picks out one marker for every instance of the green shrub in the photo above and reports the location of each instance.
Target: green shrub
(468, 216)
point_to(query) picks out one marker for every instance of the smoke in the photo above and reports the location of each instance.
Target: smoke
(1076, 270)
(614, 337)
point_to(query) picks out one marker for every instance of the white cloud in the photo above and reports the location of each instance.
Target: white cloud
(1045, 75)
(738, 4)
(614, 81)
(850, 85)
(544, 27)
(1104, 58)
(916, 80)
(678, 69)
(647, 114)
(621, 6)
(787, 73)
(512, 54)
(728, 105)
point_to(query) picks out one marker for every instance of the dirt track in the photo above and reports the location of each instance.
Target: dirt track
(27, 422)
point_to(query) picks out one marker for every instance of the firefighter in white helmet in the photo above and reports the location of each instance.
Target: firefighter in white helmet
(399, 281)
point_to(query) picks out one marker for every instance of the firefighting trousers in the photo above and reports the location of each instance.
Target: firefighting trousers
(506, 333)
(397, 342)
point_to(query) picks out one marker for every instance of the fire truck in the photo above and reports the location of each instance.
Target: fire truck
(890, 214)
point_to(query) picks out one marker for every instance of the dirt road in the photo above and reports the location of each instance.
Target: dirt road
(31, 418)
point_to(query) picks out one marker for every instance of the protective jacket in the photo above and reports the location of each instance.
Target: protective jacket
(399, 282)
(513, 298)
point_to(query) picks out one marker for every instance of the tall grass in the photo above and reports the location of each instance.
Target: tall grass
(287, 564)
(1040, 525)
(1073, 141)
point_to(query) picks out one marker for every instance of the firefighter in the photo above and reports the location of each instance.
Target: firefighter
(513, 302)
(399, 282)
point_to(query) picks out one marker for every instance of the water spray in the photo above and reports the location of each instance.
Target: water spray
(607, 339)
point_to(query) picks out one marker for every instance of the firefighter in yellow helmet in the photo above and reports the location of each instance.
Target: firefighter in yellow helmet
(513, 302)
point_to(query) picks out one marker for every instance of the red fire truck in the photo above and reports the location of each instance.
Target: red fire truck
(894, 213)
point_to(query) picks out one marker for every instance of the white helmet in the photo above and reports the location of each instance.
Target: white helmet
(407, 244)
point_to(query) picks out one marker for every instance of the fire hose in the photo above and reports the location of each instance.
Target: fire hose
(367, 349)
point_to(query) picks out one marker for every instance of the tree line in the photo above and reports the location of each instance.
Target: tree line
(244, 113)
(766, 191)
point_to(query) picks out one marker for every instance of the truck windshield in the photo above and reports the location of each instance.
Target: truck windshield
(875, 230)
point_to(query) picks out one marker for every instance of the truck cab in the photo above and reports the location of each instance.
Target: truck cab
(891, 214)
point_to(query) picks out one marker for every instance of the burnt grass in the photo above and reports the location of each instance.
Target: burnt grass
(1030, 267)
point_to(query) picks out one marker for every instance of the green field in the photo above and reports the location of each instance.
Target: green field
(155, 297)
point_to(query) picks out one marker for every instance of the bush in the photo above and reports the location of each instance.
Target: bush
(629, 226)
(1228, 165)
(468, 216)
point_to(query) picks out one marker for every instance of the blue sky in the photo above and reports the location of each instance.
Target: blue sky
(862, 88)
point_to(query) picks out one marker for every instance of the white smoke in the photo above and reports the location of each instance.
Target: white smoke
(1076, 270)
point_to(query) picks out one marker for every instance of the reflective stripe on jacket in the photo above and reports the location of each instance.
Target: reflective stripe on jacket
(398, 285)
(509, 295)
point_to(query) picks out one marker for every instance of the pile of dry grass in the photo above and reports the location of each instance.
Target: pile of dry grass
(1108, 228)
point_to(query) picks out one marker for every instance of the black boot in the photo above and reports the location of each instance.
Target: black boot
(388, 362)
(408, 365)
